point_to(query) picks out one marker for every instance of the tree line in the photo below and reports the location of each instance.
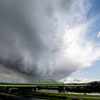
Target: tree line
(92, 87)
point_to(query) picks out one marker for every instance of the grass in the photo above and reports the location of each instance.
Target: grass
(56, 96)
(51, 96)
(7, 85)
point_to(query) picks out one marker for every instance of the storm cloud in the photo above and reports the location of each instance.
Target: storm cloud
(33, 39)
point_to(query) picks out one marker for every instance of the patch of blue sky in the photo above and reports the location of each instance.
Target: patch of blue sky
(88, 72)
(94, 12)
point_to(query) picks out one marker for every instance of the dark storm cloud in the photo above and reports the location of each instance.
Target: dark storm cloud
(28, 40)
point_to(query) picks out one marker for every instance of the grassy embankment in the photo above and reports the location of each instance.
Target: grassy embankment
(51, 96)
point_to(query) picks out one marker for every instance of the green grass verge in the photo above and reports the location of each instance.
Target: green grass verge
(5, 85)
(52, 96)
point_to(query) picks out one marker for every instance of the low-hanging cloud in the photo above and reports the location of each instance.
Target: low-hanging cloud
(79, 80)
(37, 39)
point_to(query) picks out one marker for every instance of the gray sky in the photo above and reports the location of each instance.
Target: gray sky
(29, 41)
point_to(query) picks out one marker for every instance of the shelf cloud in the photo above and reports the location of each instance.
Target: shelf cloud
(44, 39)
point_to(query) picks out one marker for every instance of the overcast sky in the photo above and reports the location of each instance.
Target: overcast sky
(49, 39)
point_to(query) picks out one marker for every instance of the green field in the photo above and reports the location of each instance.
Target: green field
(7, 85)
(56, 96)
(52, 96)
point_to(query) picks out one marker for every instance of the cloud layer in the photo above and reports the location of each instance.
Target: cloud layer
(45, 39)
(79, 80)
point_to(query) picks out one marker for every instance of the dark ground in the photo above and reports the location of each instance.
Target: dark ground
(13, 97)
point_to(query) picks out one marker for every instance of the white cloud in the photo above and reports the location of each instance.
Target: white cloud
(76, 46)
(77, 50)
(79, 80)
(98, 35)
